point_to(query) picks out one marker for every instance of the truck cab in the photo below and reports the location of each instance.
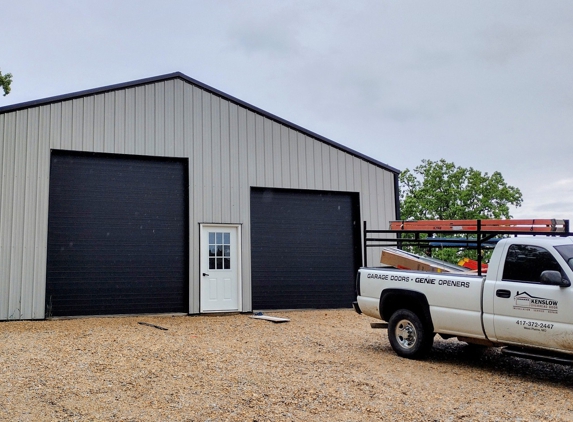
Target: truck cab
(527, 295)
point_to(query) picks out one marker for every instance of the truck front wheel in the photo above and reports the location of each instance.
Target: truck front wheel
(408, 336)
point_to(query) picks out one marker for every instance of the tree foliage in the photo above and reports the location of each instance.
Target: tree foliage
(5, 82)
(440, 190)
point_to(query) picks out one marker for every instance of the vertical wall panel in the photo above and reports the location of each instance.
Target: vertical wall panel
(268, 153)
(243, 164)
(310, 164)
(179, 117)
(365, 199)
(66, 125)
(376, 213)
(293, 155)
(225, 204)
(302, 160)
(206, 190)
(109, 122)
(326, 169)
(87, 135)
(284, 148)
(342, 171)
(77, 123)
(387, 188)
(119, 122)
(247, 177)
(41, 223)
(197, 192)
(139, 123)
(187, 117)
(260, 149)
(234, 160)
(198, 157)
(159, 140)
(27, 294)
(18, 211)
(6, 212)
(169, 132)
(99, 122)
(149, 120)
(317, 165)
(349, 169)
(251, 141)
(215, 169)
(129, 122)
(56, 125)
(276, 162)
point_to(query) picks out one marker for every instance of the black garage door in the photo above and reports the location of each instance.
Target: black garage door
(305, 248)
(117, 235)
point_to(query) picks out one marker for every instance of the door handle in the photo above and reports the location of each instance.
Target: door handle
(503, 293)
(207, 275)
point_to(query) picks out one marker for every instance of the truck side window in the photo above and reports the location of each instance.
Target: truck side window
(566, 251)
(527, 262)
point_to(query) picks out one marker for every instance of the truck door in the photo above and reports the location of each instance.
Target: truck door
(527, 311)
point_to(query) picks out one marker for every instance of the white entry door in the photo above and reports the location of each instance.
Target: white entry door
(220, 267)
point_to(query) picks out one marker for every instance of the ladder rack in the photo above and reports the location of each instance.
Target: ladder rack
(482, 231)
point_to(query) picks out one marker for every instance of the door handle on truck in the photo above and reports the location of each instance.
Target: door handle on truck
(503, 293)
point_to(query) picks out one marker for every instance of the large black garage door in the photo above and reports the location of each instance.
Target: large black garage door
(117, 235)
(305, 248)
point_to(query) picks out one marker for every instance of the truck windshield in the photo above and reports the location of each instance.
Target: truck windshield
(566, 251)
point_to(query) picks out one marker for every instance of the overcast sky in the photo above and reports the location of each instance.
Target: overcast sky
(485, 84)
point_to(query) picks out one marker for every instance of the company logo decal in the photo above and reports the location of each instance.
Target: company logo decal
(525, 302)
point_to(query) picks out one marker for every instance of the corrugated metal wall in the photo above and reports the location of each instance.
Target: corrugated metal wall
(230, 148)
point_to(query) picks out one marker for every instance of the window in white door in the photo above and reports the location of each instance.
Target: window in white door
(219, 251)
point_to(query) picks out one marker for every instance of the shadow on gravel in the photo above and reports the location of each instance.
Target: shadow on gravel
(455, 353)
(492, 360)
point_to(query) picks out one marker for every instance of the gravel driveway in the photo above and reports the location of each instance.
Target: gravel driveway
(321, 366)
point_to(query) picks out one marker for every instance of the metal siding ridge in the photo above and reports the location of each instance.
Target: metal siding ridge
(30, 216)
(210, 89)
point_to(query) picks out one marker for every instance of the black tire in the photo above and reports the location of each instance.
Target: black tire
(408, 335)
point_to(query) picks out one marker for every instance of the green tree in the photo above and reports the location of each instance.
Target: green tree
(440, 190)
(5, 82)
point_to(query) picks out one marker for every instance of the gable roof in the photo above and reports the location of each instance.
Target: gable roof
(185, 78)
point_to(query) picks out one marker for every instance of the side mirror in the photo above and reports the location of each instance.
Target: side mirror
(553, 278)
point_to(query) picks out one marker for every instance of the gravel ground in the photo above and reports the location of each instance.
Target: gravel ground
(321, 366)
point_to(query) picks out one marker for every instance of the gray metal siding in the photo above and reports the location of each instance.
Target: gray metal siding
(230, 148)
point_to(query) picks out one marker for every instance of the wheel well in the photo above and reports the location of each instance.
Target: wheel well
(393, 299)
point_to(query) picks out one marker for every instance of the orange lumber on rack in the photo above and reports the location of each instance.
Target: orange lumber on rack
(514, 225)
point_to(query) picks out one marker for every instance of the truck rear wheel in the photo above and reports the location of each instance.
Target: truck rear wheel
(408, 336)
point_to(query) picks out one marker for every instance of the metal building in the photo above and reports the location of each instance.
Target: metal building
(165, 195)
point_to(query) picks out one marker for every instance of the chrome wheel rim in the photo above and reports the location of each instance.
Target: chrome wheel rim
(405, 334)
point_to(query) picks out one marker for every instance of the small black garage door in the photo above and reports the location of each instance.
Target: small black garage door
(117, 235)
(305, 248)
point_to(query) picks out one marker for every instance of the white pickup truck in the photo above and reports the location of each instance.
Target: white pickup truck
(525, 302)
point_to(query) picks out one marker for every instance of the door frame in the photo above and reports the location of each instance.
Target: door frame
(239, 261)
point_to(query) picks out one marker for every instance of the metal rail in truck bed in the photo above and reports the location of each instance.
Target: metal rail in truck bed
(482, 232)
